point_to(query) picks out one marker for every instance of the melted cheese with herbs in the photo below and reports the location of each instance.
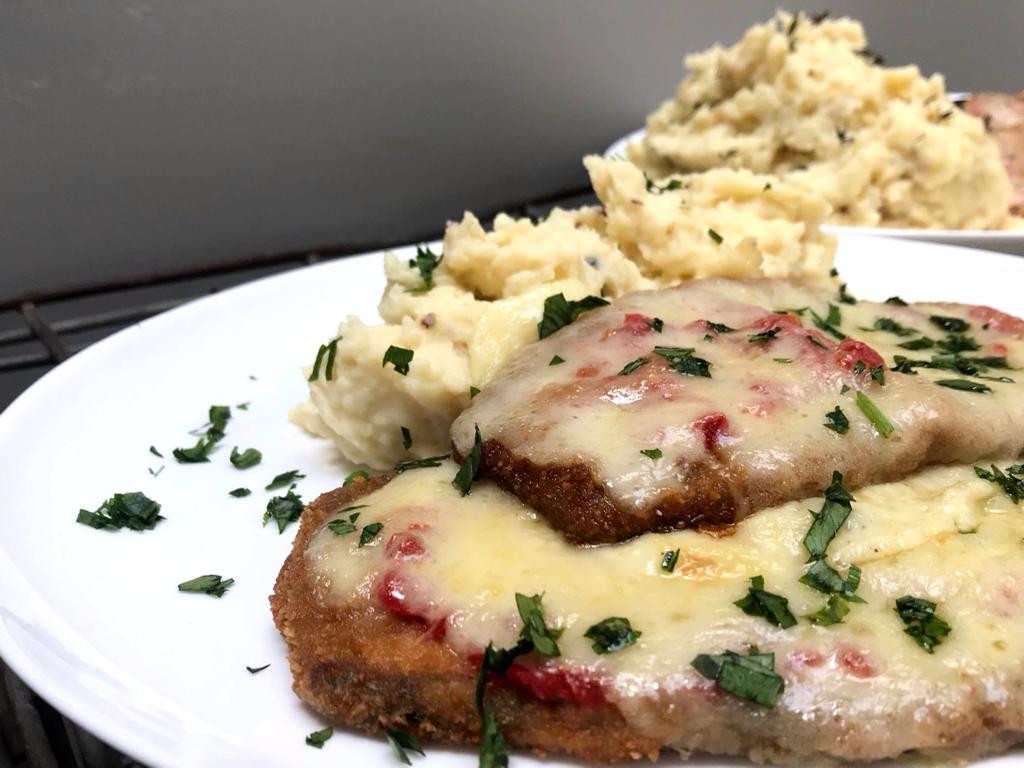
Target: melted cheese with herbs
(944, 535)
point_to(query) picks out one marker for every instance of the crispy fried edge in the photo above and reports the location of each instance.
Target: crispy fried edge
(362, 667)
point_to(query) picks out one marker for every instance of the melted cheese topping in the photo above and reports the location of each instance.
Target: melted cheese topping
(944, 535)
(769, 396)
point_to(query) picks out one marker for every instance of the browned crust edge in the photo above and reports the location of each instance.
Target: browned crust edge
(363, 668)
(573, 500)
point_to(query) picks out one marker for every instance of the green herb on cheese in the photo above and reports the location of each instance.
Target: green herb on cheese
(682, 360)
(751, 678)
(774, 608)
(631, 366)
(836, 421)
(560, 312)
(874, 415)
(469, 468)
(611, 635)
(921, 623)
(669, 559)
(652, 453)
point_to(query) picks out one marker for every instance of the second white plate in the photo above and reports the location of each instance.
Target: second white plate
(1004, 241)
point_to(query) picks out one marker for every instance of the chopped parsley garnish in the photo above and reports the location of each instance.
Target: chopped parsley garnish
(708, 337)
(493, 747)
(403, 742)
(406, 437)
(133, 510)
(155, 452)
(874, 415)
(824, 578)
(369, 533)
(469, 468)
(950, 324)
(816, 341)
(827, 522)
(963, 385)
(430, 461)
(254, 670)
(657, 325)
(359, 474)
(774, 608)
(239, 493)
(556, 360)
(631, 366)
(836, 421)
(283, 510)
(889, 325)
(719, 327)
(768, 335)
(317, 738)
(845, 297)
(828, 323)
(957, 342)
(833, 612)
(669, 559)
(750, 677)
(559, 312)
(200, 452)
(715, 236)
(426, 261)
(210, 584)
(341, 527)
(915, 344)
(285, 478)
(330, 349)
(542, 637)
(473, 392)
(921, 623)
(250, 457)
(783, 360)
(155, 473)
(243, 406)
(399, 357)
(652, 453)
(896, 301)
(669, 186)
(682, 360)
(611, 635)
(1011, 481)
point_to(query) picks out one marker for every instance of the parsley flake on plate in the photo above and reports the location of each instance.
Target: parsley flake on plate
(219, 415)
(239, 493)
(155, 452)
(250, 457)
(255, 670)
(210, 584)
(402, 743)
(560, 312)
(285, 478)
(133, 510)
(284, 510)
(318, 738)
(652, 453)
(963, 385)
(399, 357)
(612, 635)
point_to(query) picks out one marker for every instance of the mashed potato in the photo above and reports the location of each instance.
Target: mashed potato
(803, 99)
(489, 289)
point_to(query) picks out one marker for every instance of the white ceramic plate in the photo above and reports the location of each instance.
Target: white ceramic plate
(92, 620)
(1005, 241)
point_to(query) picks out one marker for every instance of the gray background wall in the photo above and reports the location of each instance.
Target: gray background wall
(140, 136)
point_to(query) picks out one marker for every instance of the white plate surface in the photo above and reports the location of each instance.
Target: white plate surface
(92, 620)
(1005, 241)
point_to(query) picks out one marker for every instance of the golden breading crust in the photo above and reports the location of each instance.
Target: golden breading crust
(362, 667)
